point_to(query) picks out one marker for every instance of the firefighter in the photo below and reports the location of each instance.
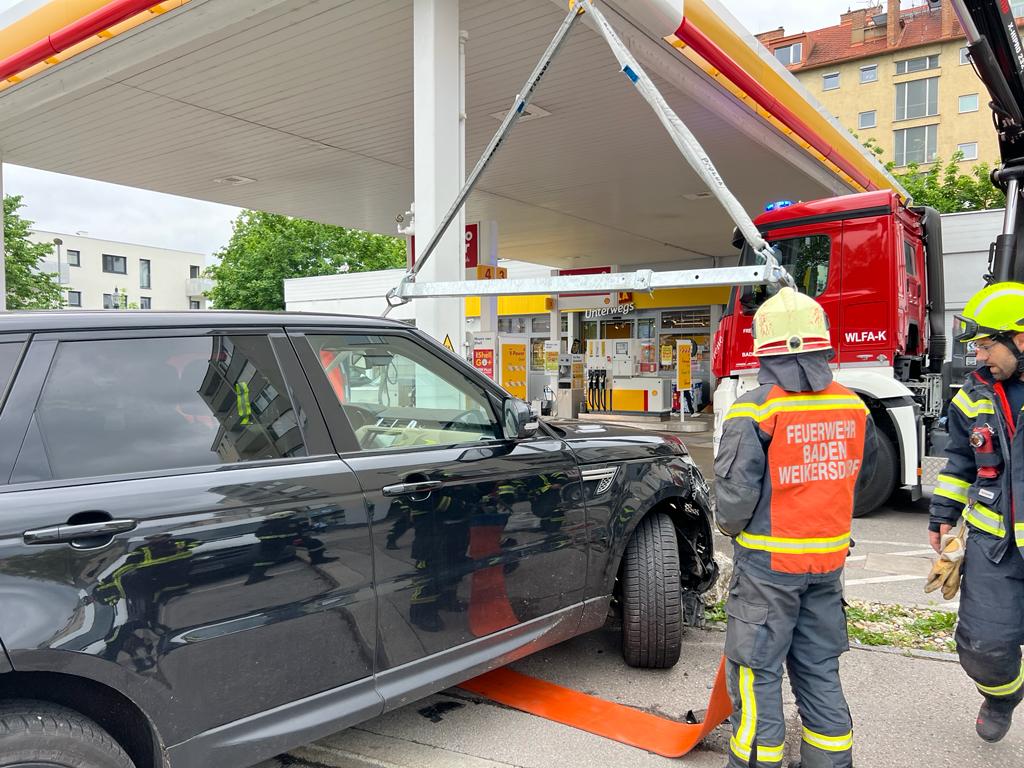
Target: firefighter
(789, 458)
(981, 482)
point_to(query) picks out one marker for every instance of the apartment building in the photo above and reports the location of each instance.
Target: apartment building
(105, 274)
(898, 75)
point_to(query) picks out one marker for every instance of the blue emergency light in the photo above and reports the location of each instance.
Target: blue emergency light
(778, 205)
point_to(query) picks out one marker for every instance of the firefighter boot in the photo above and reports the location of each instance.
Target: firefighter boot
(995, 717)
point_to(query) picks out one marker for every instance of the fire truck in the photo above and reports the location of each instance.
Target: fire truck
(875, 263)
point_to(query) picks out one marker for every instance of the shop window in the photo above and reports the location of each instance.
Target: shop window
(541, 324)
(686, 318)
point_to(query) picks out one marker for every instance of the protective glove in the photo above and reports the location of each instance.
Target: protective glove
(945, 571)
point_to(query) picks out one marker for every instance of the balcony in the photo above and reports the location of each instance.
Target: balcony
(198, 286)
(49, 266)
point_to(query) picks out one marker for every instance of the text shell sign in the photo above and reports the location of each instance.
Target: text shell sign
(472, 247)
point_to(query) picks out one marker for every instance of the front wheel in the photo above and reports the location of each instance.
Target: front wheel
(37, 733)
(881, 485)
(652, 616)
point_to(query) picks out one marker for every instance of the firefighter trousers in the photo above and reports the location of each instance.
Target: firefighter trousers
(799, 621)
(991, 628)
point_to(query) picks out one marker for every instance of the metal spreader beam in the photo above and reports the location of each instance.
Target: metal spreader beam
(643, 280)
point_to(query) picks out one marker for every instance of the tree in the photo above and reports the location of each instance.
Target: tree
(267, 248)
(945, 187)
(27, 286)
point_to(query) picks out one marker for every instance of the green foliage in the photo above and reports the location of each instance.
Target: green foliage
(948, 189)
(267, 248)
(27, 286)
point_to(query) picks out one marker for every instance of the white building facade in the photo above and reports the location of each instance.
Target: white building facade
(105, 274)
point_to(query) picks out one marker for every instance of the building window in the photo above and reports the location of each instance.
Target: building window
(193, 305)
(917, 98)
(830, 81)
(790, 54)
(964, 56)
(914, 145)
(74, 258)
(193, 272)
(867, 119)
(145, 302)
(144, 271)
(869, 74)
(918, 64)
(1018, 9)
(968, 103)
(115, 264)
(969, 150)
(108, 301)
(74, 298)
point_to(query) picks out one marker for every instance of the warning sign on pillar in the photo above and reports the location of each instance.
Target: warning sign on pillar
(448, 343)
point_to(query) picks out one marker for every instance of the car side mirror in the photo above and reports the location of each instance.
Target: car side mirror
(517, 420)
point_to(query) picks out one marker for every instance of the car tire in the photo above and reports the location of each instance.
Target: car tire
(882, 484)
(652, 616)
(37, 733)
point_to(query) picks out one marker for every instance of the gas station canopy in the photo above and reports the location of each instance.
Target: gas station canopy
(306, 108)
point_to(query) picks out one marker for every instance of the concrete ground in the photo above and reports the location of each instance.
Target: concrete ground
(908, 711)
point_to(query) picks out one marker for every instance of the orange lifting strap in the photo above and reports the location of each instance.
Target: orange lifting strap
(604, 718)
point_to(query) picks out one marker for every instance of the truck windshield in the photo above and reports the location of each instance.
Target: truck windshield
(805, 258)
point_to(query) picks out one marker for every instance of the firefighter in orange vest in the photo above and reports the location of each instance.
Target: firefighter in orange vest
(787, 465)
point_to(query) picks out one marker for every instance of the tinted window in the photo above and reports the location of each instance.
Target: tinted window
(908, 255)
(805, 258)
(397, 394)
(138, 405)
(115, 264)
(9, 354)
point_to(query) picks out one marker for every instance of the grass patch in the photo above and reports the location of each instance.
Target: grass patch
(885, 624)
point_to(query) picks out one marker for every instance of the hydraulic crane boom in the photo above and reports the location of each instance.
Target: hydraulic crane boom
(995, 49)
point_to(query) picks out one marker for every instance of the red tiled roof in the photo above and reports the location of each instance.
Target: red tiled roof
(834, 44)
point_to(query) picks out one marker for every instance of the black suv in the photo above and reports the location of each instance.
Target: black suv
(223, 534)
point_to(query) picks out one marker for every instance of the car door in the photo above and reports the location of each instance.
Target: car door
(472, 533)
(177, 523)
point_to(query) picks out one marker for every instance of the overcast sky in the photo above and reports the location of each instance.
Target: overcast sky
(66, 204)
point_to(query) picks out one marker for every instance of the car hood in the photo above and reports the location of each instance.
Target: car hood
(597, 442)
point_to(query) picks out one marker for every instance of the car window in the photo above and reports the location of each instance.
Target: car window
(9, 354)
(136, 405)
(397, 394)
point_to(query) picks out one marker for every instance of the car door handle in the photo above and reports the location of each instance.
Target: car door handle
(62, 534)
(402, 489)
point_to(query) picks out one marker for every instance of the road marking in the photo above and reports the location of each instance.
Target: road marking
(914, 552)
(882, 580)
(890, 543)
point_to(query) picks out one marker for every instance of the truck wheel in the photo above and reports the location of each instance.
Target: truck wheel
(882, 484)
(652, 616)
(37, 734)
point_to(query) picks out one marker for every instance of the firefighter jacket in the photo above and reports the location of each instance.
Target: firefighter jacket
(787, 468)
(984, 478)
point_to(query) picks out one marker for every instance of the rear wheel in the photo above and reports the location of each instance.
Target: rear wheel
(652, 617)
(881, 485)
(37, 734)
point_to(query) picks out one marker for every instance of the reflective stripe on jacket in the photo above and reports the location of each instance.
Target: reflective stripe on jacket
(785, 476)
(984, 474)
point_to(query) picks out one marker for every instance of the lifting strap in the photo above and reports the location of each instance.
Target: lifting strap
(618, 722)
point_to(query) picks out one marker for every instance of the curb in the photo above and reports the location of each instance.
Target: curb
(913, 653)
